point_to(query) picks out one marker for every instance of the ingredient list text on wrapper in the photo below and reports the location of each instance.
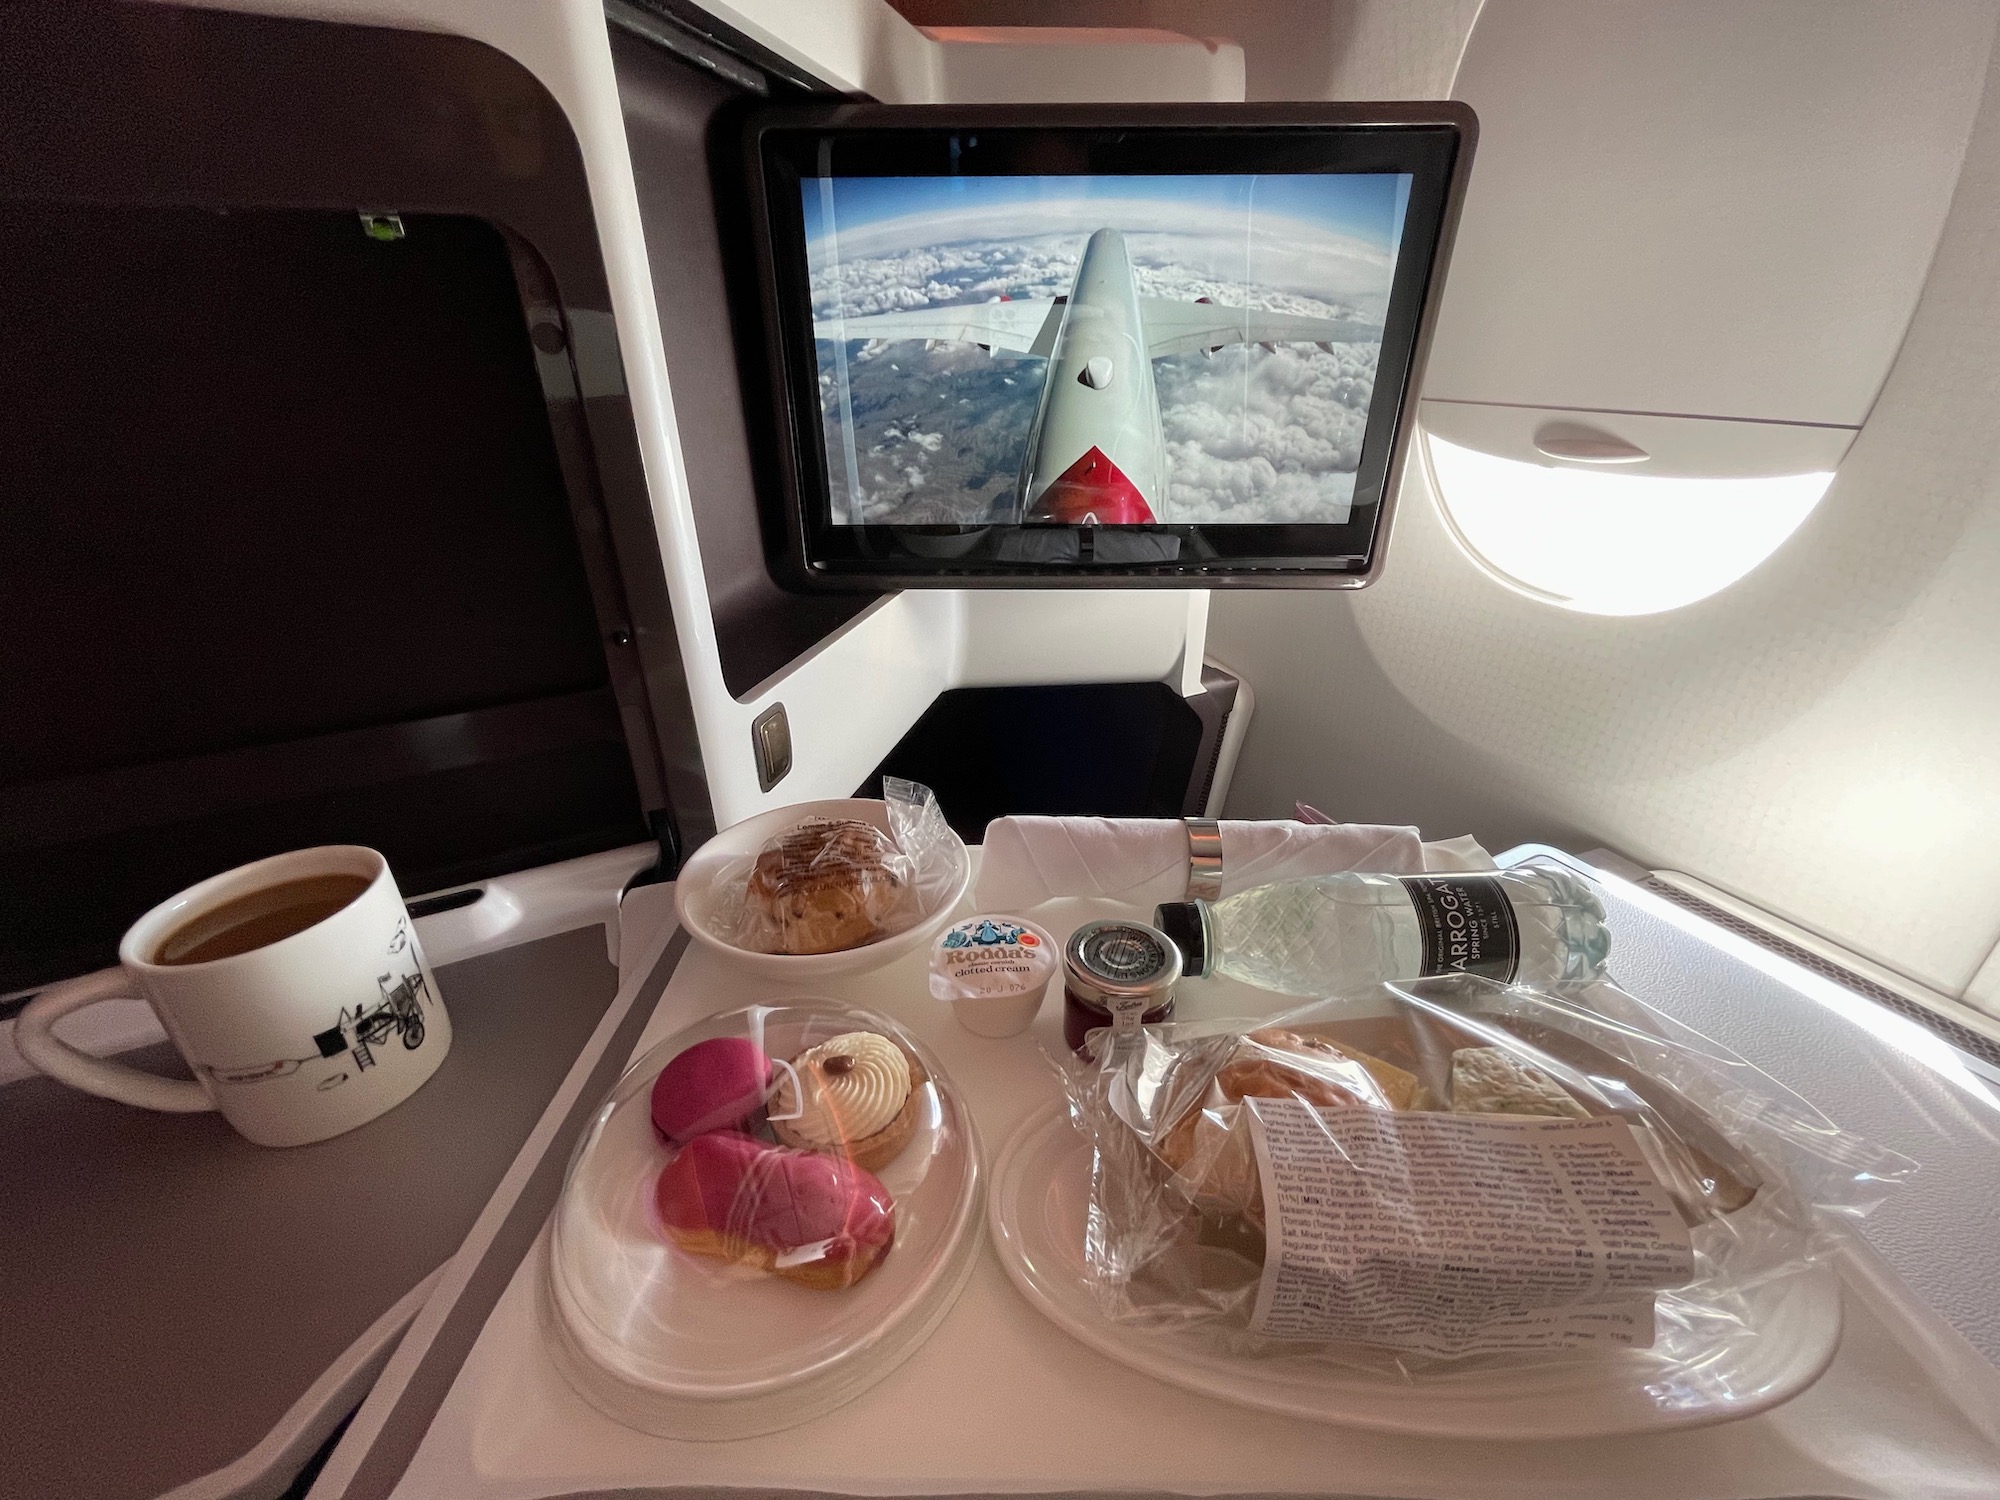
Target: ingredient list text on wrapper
(1442, 1234)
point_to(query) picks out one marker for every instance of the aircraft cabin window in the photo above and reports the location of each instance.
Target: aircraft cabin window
(1608, 541)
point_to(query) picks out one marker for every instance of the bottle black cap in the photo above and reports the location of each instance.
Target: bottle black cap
(1181, 921)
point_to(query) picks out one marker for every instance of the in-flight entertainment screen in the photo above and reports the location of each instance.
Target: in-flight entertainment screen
(1157, 365)
(1116, 350)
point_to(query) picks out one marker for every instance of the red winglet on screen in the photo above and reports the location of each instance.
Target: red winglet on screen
(1092, 492)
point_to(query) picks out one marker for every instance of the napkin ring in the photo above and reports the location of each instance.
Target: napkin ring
(1204, 881)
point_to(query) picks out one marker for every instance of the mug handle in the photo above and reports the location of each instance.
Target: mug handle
(50, 1054)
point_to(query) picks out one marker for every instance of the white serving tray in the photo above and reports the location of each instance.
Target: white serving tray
(1036, 1214)
(1001, 1401)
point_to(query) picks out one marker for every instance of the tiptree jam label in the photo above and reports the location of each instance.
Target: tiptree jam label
(1468, 925)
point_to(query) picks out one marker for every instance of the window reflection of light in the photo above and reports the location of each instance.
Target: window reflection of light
(1614, 543)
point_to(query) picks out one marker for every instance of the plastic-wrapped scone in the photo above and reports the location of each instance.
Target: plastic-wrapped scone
(827, 886)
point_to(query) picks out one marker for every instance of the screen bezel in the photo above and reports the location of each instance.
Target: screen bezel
(1432, 143)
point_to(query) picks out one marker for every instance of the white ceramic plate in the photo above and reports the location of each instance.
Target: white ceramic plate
(686, 1346)
(1035, 1214)
(696, 893)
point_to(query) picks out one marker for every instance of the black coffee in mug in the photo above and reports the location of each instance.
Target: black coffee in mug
(259, 919)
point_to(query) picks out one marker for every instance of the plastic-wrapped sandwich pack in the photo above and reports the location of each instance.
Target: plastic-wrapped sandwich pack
(1453, 1174)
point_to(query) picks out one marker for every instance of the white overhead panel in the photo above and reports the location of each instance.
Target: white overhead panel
(1070, 64)
(1708, 208)
(1692, 242)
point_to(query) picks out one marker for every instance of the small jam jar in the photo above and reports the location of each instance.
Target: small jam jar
(1118, 974)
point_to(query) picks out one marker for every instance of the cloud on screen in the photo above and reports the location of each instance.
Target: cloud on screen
(1252, 435)
(1257, 437)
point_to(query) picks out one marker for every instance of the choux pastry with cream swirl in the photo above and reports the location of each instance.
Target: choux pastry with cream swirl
(855, 1095)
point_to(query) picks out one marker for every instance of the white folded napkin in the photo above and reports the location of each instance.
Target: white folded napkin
(1144, 861)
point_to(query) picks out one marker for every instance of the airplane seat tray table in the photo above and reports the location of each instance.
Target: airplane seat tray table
(188, 1314)
(1000, 1400)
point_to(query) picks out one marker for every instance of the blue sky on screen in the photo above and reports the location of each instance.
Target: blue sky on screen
(1366, 207)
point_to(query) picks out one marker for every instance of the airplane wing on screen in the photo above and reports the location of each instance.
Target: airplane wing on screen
(1025, 327)
(1184, 327)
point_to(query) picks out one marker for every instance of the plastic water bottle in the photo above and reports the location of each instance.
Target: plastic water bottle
(1329, 933)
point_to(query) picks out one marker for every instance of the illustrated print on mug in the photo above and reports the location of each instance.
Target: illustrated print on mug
(294, 987)
(398, 1016)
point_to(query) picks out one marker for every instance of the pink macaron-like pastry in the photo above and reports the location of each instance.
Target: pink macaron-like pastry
(714, 1085)
(815, 1219)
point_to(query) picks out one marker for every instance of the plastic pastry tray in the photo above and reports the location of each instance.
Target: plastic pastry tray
(689, 1346)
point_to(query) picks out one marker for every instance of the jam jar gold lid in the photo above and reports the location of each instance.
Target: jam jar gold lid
(1120, 966)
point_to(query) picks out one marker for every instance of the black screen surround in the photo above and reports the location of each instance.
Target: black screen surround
(787, 147)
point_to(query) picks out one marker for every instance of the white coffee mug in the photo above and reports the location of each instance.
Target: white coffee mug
(298, 1039)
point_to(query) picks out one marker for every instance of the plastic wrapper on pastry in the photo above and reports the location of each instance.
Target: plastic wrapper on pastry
(1467, 1176)
(828, 885)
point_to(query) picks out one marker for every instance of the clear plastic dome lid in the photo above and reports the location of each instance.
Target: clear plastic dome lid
(774, 1207)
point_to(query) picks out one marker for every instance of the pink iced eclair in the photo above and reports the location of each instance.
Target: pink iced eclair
(818, 1220)
(714, 1085)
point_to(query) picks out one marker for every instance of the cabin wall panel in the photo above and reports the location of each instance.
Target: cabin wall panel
(1818, 739)
(1706, 208)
